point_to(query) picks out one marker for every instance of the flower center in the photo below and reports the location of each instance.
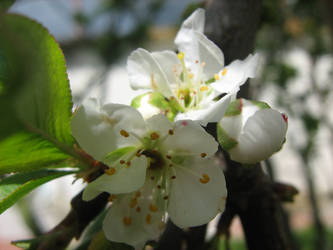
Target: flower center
(156, 159)
(190, 88)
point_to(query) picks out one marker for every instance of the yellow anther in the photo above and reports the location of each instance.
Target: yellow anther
(133, 203)
(190, 75)
(154, 136)
(124, 133)
(204, 179)
(203, 88)
(110, 171)
(180, 55)
(153, 208)
(203, 155)
(216, 76)
(224, 71)
(148, 218)
(112, 197)
(127, 220)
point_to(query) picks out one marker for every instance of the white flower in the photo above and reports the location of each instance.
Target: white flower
(193, 80)
(251, 131)
(170, 164)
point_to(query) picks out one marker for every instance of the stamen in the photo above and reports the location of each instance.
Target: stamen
(224, 71)
(203, 155)
(285, 118)
(171, 131)
(170, 165)
(128, 163)
(124, 133)
(216, 76)
(122, 162)
(153, 208)
(203, 88)
(173, 177)
(152, 178)
(166, 197)
(138, 209)
(180, 55)
(133, 203)
(169, 157)
(110, 171)
(203, 64)
(196, 61)
(204, 179)
(154, 136)
(190, 75)
(127, 220)
(148, 218)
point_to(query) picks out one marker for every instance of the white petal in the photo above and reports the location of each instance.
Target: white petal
(145, 72)
(193, 203)
(127, 118)
(124, 180)
(263, 135)
(235, 74)
(213, 113)
(159, 123)
(190, 138)
(199, 49)
(93, 133)
(196, 21)
(169, 63)
(138, 231)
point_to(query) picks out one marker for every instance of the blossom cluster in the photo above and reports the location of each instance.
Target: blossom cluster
(159, 159)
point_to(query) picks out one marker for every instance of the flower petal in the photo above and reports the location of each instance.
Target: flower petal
(213, 113)
(159, 123)
(128, 224)
(125, 179)
(93, 133)
(196, 21)
(169, 63)
(124, 117)
(190, 138)
(235, 74)
(263, 135)
(145, 72)
(198, 50)
(194, 202)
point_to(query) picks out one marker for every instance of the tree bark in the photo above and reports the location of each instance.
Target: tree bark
(232, 25)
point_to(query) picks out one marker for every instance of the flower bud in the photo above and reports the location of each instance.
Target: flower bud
(251, 131)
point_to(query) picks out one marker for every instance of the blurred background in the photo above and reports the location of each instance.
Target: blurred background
(294, 41)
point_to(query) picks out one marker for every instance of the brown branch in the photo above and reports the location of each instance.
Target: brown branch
(232, 25)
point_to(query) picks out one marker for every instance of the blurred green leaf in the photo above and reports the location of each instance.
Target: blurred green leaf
(16, 186)
(5, 4)
(26, 152)
(34, 78)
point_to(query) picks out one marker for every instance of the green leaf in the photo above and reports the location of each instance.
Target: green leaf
(34, 78)
(117, 154)
(5, 4)
(234, 108)
(224, 139)
(26, 152)
(16, 186)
